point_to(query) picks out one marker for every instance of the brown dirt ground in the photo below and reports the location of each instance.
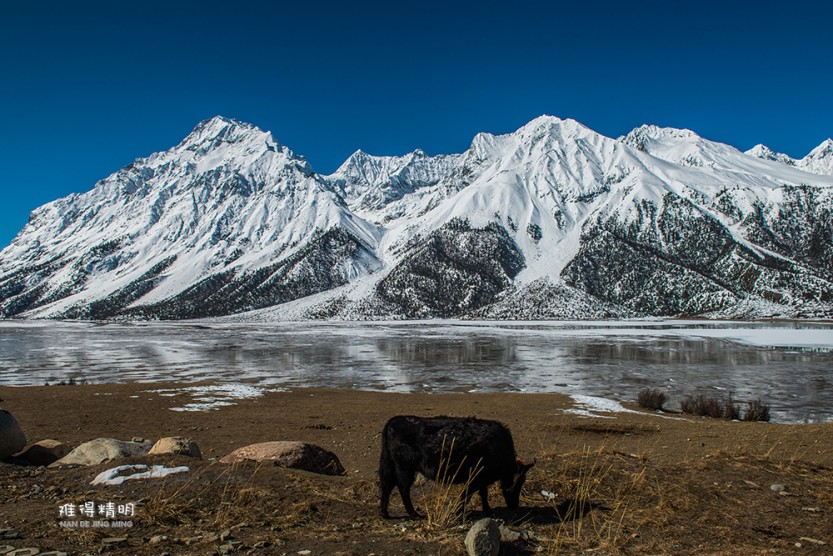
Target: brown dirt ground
(638, 483)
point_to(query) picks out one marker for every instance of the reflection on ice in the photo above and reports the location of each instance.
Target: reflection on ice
(788, 365)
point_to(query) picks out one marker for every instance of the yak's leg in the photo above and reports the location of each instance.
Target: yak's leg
(387, 488)
(404, 481)
(484, 499)
(387, 480)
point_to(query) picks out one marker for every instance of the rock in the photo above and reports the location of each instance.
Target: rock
(483, 539)
(297, 455)
(45, 452)
(777, 487)
(176, 445)
(28, 551)
(508, 535)
(101, 450)
(12, 439)
(10, 534)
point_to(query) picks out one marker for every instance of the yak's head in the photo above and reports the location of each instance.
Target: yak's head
(512, 487)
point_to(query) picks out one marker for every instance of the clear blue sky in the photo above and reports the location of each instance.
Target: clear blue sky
(88, 86)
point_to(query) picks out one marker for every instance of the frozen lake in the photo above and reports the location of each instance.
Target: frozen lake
(788, 365)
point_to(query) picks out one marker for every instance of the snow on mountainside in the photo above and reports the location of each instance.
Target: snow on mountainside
(817, 161)
(227, 201)
(820, 159)
(551, 221)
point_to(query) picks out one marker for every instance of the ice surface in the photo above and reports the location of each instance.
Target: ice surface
(786, 364)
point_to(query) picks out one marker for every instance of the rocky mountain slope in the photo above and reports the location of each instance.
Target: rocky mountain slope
(551, 221)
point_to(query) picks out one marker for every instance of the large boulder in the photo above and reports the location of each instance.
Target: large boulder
(103, 449)
(297, 455)
(45, 452)
(176, 445)
(12, 439)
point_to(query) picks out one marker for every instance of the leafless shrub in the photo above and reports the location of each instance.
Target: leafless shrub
(756, 410)
(731, 411)
(651, 398)
(710, 406)
(702, 405)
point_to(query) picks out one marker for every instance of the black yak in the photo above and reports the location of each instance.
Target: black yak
(476, 452)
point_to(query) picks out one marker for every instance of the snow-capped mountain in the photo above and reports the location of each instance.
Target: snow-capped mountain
(551, 221)
(817, 161)
(222, 220)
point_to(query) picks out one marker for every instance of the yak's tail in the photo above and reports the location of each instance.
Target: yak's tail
(387, 471)
(387, 466)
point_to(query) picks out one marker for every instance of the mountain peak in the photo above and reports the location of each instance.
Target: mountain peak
(553, 125)
(220, 129)
(824, 150)
(765, 153)
(761, 151)
(639, 137)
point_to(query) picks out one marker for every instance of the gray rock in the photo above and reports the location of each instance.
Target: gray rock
(28, 551)
(45, 452)
(12, 439)
(176, 445)
(508, 535)
(10, 534)
(101, 450)
(483, 539)
(297, 455)
(778, 487)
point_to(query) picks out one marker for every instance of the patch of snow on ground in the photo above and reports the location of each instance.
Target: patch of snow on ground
(591, 406)
(207, 398)
(122, 473)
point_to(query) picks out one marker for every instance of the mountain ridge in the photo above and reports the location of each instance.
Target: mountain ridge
(657, 222)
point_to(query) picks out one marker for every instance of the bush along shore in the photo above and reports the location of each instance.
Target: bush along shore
(705, 405)
(296, 473)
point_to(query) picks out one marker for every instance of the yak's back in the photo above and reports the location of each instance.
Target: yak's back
(433, 436)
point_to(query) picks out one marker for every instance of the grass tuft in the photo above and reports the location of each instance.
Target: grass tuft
(444, 506)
